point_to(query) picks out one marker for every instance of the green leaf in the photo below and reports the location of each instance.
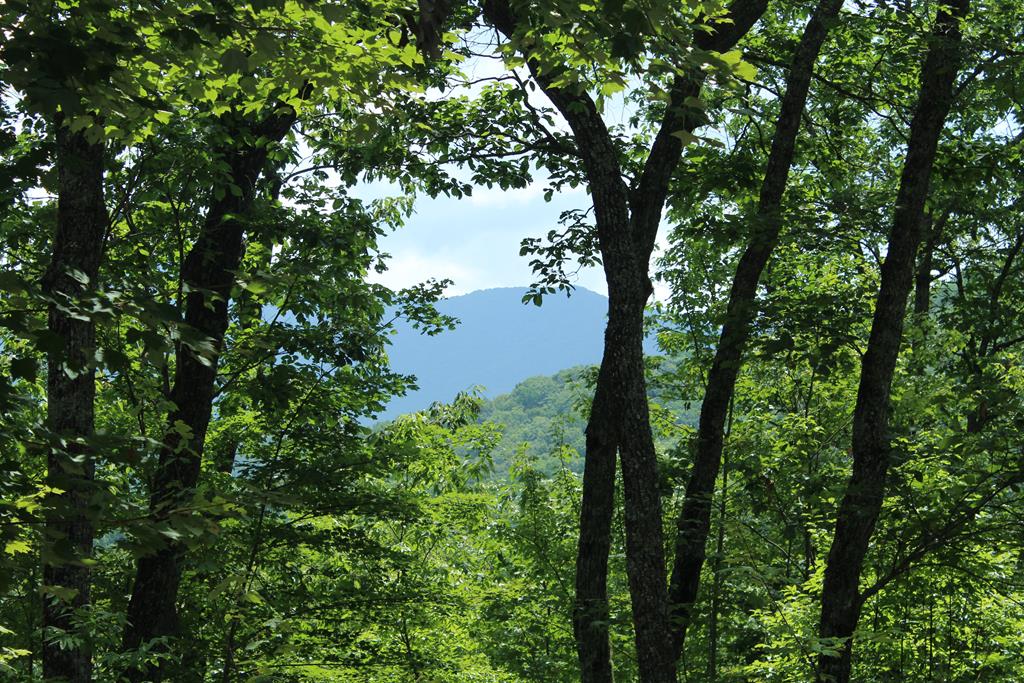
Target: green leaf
(732, 57)
(612, 87)
(17, 547)
(62, 593)
(746, 71)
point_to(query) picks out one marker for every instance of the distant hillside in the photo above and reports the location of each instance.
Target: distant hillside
(541, 414)
(498, 343)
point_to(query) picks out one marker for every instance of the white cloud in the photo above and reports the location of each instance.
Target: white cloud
(497, 197)
(409, 268)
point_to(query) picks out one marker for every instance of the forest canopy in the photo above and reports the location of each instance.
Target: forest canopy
(818, 475)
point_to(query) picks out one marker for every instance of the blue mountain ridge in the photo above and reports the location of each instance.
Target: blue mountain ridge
(498, 342)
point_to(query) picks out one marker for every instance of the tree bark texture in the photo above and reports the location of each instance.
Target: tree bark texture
(70, 393)
(858, 512)
(627, 222)
(923, 278)
(208, 272)
(694, 520)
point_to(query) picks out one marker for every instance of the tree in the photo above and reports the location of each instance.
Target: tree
(208, 275)
(253, 121)
(858, 512)
(57, 65)
(695, 519)
(627, 220)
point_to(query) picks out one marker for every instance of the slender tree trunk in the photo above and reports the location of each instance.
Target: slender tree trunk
(694, 520)
(209, 273)
(71, 392)
(923, 279)
(230, 645)
(590, 616)
(923, 285)
(931, 637)
(627, 224)
(716, 571)
(855, 520)
(647, 197)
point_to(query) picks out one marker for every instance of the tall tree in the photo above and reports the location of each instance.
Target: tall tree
(694, 520)
(249, 150)
(71, 393)
(841, 601)
(627, 220)
(209, 275)
(65, 65)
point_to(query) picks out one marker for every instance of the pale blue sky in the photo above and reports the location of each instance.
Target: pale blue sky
(475, 240)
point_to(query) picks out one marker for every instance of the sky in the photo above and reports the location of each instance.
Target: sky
(475, 241)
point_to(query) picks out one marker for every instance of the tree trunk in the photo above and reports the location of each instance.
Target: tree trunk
(694, 520)
(70, 392)
(841, 601)
(209, 273)
(621, 422)
(647, 198)
(923, 279)
(627, 225)
(645, 552)
(590, 614)
(716, 566)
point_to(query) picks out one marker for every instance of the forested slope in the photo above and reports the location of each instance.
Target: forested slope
(543, 418)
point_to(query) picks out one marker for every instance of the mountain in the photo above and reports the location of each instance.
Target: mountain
(499, 342)
(542, 418)
(537, 417)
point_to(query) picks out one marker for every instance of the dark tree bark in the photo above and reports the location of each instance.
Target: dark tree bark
(923, 279)
(858, 512)
(716, 565)
(70, 392)
(590, 616)
(694, 520)
(647, 198)
(627, 224)
(209, 273)
(619, 420)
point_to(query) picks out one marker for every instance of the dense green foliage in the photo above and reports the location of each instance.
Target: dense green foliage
(538, 419)
(542, 419)
(220, 494)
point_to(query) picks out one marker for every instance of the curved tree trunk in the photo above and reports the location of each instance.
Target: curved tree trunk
(694, 520)
(841, 601)
(627, 226)
(209, 273)
(590, 615)
(70, 393)
(645, 559)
